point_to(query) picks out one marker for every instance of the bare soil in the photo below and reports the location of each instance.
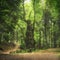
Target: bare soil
(30, 56)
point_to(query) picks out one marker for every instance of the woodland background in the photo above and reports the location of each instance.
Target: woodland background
(33, 24)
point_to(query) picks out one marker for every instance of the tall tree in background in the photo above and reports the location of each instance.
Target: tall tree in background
(46, 17)
(29, 39)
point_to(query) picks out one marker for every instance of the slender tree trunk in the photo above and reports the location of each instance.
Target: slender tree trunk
(39, 39)
(58, 25)
(55, 36)
(34, 21)
(45, 25)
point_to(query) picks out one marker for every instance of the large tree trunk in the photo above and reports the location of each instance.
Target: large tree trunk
(29, 35)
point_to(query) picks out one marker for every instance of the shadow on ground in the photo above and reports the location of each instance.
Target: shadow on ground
(30, 56)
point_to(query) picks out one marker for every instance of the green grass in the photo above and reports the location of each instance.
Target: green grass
(50, 50)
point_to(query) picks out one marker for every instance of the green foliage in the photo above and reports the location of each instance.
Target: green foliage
(9, 15)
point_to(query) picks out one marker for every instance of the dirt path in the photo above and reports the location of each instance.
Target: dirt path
(31, 56)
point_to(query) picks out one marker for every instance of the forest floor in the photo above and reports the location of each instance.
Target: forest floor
(42, 55)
